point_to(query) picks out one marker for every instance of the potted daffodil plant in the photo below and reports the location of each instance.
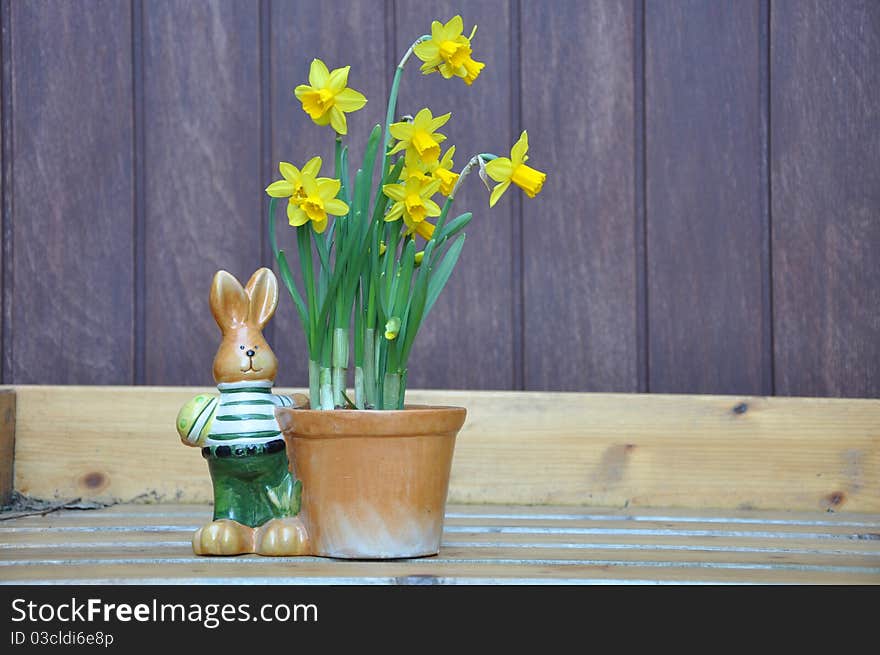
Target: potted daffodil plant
(374, 258)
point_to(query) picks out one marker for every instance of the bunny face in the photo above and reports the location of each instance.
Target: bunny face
(244, 355)
(241, 314)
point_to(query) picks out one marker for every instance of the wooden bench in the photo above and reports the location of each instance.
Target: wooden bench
(546, 488)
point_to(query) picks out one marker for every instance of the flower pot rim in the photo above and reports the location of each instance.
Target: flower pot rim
(413, 420)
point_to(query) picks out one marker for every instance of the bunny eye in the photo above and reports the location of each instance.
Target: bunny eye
(241, 347)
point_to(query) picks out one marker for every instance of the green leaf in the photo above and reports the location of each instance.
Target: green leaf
(284, 270)
(404, 277)
(323, 250)
(440, 275)
(287, 278)
(404, 285)
(272, 240)
(454, 227)
(340, 170)
(372, 148)
(381, 199)
(304, 243)
(369, 164)
(416, 313)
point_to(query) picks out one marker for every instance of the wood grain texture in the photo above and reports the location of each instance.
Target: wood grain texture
(826, 194)
(7, 444)
(132, 544)
(610, 450)
(705, 189)
(578, 235)
(467, 342)
(5, 179)
(72, 277)
(203, 189)
(114, 220)
(340, 33)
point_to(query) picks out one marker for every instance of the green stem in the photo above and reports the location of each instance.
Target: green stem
(474, 161)
(359, 388)
(314, 383)
(340, 364)
(392, 100)
(382, 359)
(370, 367)
(391, 391)
(400, 403)
(304, 243)
(326, 391)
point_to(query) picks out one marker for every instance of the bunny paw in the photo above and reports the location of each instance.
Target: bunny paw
(282, 537)
(223, 537)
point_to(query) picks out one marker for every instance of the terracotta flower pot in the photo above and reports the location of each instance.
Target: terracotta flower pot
(374, 482)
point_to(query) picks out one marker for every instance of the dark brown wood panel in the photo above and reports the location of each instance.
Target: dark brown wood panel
(578, 235)
(5, 179)
(203, 190)
(340, 33)
(72, 280)
(709, 223)
(467, 341)
(826, 197)
(706, 217)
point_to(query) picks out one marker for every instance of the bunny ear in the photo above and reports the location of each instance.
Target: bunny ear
(262, 289)
(229, 302)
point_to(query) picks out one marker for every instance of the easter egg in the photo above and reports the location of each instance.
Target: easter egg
(195, 417)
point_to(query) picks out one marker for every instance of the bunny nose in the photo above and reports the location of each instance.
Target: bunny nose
(250, 353)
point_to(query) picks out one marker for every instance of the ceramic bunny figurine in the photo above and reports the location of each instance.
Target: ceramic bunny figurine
(256, 499)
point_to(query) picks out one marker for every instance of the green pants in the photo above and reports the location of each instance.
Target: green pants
(253, 489)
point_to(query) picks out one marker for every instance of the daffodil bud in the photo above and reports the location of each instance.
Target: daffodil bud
(420, 255)
(382, 248)
(392, 328)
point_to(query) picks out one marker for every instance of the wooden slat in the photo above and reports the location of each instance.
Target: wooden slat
(467, 342)
(72, 311)
(47, 537)
(516, 554)
(340, 33)
(421, 572)
(203, 191)
(7, 444)
(826, 194)
(609, 450)
(705, 190)
(40, 549)
(529, 521)
(480, 525)
(579, 253)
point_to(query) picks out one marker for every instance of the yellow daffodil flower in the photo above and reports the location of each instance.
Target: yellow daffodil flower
(414, 167)
(291, 186)
(449, 52)
(412, 202)
(318, 201)
(326, 99)
(514, 170)
(440, 170)
(420, 136)
(425, 230)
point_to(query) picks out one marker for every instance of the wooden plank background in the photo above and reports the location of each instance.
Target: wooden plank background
(530, 448)
(710, 223)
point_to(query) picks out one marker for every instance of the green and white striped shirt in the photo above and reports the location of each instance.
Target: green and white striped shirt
(245, 413)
